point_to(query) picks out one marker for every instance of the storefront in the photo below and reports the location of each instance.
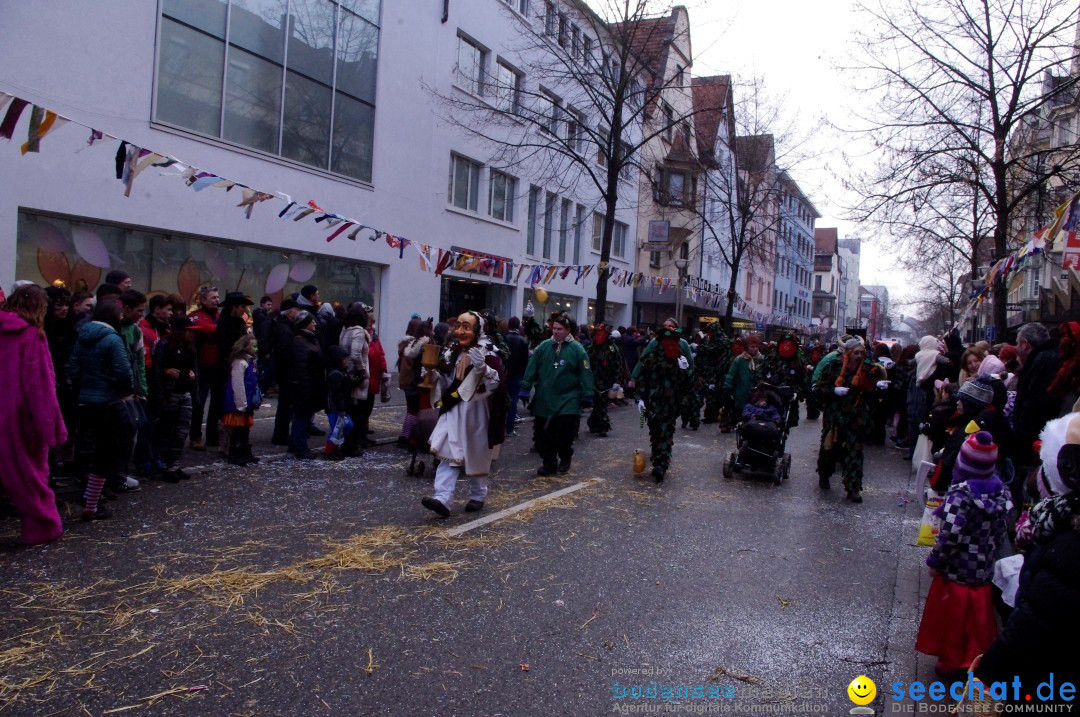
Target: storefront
(555, 302)
(79, 252)
(459, 295)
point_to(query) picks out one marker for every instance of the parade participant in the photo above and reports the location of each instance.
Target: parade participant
(417, 334)
(100, 367)
(204, 326)
(845, 388)
(662, 374)
(743, 374)
(466, 438)
(242, 399)
(786, 366)
(958, 620)
(813, 357)
(172, 380)
(30, 419)
(711, 364)
(515, 370)
(560, 371)
(608, 369)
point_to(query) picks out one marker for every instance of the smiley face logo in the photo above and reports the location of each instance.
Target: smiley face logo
(862, 690)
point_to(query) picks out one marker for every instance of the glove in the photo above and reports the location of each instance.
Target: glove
(615, 387)
(840, 390)
(641, 406)
(476, 356)
(882, 385)
(683, 363)
(712, 386)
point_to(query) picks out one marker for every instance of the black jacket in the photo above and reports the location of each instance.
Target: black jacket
(261, 323)
(1042, 633)
(229, 330)
(338, 391)
(308, 373)
(519, 354)
(1034, 403)
(281, 346)
(169, 354)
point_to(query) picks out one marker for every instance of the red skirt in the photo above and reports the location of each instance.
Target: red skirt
(958, 624)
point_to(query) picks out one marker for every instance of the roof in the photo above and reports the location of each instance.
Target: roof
(755, 152)
(711, 97)
(825, 240)
(788, 180)
(649, 40)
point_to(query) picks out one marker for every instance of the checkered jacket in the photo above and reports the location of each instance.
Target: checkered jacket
(973, 528)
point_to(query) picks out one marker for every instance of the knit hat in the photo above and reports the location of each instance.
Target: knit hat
(303, 319)
(976, 393)
(991, 365)
(977, 458)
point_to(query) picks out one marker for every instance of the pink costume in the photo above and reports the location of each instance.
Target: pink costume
(30, 424)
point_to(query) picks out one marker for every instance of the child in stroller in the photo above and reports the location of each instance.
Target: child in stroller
(762, 434)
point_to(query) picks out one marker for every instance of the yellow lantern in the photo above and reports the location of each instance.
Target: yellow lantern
(639, 461)
(541, 295)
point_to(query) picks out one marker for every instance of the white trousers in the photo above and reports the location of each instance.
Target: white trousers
(446, 477)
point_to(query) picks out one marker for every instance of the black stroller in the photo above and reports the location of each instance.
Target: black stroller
(760, 447)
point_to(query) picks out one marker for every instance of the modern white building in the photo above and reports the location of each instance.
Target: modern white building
(333, 103)
(793, 298)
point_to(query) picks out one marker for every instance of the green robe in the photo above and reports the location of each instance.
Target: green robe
(562, 376)
(744, 374)
(845, 420)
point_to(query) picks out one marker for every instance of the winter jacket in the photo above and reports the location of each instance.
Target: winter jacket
(338, 391)
(230, 329)
(282, 332)
(973, 528)
(742, 376)
(260, 327)
(1035, 405)
(99, 365)
(204, 326)
(62, 335)
(242, 393)
(519, 354)
(376, 364)
(408, 364)
(354, 340)
(329, 326)
(133, 341)
(768, 413)
(308, 373)
(172, 355)
(562, 376)
(153, 331)
(1043, 630)
(30, 418)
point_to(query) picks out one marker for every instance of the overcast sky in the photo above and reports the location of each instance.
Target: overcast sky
(795, 46)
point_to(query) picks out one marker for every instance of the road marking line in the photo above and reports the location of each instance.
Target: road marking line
(452, 532)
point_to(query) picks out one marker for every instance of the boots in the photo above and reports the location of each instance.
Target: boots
(239, 450)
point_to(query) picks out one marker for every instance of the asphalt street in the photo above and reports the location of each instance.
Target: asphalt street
(307, 588)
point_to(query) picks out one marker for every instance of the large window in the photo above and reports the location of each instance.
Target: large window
(294, 78)
(547, 112)
(534, 208)
(464, 183)
(549, 223)
(564, 230)
(618, 239)
(501, 198)
(507, 88)
(597, 231)
(471, 59)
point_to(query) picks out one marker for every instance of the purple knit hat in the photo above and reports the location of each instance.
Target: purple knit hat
(978, 456)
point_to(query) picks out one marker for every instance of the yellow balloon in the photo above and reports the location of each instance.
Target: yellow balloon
(540, 295)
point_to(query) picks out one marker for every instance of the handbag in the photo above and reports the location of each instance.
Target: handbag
(130, 412)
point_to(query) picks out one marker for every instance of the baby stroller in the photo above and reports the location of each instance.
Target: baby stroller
(760, 444)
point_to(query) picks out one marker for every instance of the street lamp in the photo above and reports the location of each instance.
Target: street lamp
(681, 265)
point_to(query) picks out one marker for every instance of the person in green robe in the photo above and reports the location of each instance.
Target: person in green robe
(710, 365)
(608, 369)
(663, 374)
(846, 388)
(786, 366)
(743, 374)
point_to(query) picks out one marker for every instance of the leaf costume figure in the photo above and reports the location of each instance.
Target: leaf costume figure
(786, 366)
(710, 366)
(845, 388)
(663, 375)
(608, 369)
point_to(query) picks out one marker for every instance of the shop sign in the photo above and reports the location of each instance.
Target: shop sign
(659, 236)
(468, 256)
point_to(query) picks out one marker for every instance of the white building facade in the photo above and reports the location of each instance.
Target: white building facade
(332, 103)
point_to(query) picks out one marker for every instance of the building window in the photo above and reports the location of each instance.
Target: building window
(549, 223)
(675, 188)
(618, 240)
(602, 140)
(579, 222)
(563, 33)
(575, 131)
(587, 49)
(551, 19)
(817, 282)
(597, 231)
(564, 229)
(470, 66)
(547, 112)
(669, 122)
(464, 182)
(501, 200)
(575, 42)
(521, 6)
(507, 88)
(654, 259)
(223, 72)
(626, 170)
(534, 203)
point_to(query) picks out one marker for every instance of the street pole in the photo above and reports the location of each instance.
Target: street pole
(681, 265)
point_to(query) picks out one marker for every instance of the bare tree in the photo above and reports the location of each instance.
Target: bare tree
(955, 80)
(591, 105)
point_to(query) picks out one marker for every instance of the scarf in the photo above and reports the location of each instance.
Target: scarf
(926, 358)
(1053, 515)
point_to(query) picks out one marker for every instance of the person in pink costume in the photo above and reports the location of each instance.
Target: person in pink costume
(30, 421)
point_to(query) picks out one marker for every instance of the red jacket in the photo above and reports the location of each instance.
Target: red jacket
(376, 365)
(151, 335)
(205, 327)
